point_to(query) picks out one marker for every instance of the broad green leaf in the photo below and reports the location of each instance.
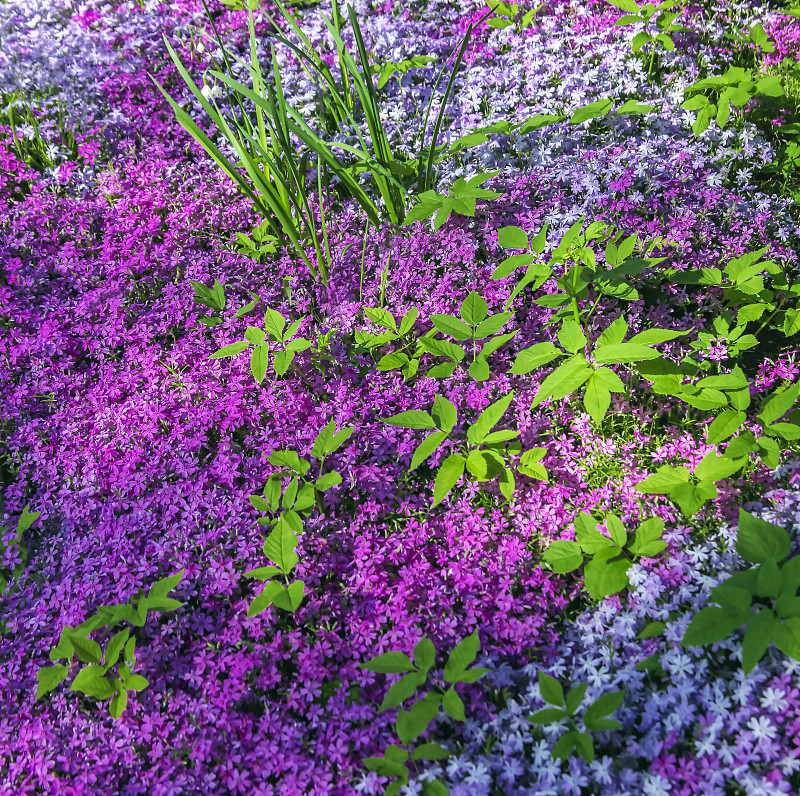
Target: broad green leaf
(381, 317)
(787, 637)
(91, 680)
(488, 419)
(114, 647)
(779, 404)
(647, 541)
(453, 706)
(118, 704)
(280, 544)
(603, 706)
(444, 413)
(597, 398)
(614, 333)
(533, 357)
(724, 425)
(565, 379)
(651, 630)
(550, 689)
(429, 751)
(512, 237)
(711, 625)
(479, 370)
(254, 335)
(262, 573)
(443, 348)
(690, 497)
(424, 654)
(757, 637)
(547, 716)
(715, 468)
(655, 336)
(663, 480)
(571, 336)
(624, 353)
(259, 362)
(87, 650)
(265, 598)
(474, 309)
(759, 541)
(454, 327)
(563, 556)
(408, 321)
(290, 597)
(389, 663)
(461, 656)
(402, 690)
(492, 325)
(603, 577)
(593, 110)
(450, 472)
(50, 677)
(412, 724)
(575, 697)
(413, 418)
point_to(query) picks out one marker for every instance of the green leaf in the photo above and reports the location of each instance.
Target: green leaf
(757, 638)
(453, 705)
(230, 350)
(413, 418)
(429, 751)
(533, 357)
(265, 598)
(603, 577)
(593, 110)
(424, 654)
(444, 413)
(648, 540)
(91, 680)
(759, 541)
(262, 573)
(450, 472)
(280, 544)
(488, 419)
(118, 704)
(604, 706)
(274, 323)
(715, 468)
(547, 716)
(412, 724)
(564, 745)
(87, 650)
(50, 677)
(442, 348)
(474, 309)
(565, 379)
(479, 370)
(452, 326)
(711, 625)
(259, 362)
(651, 630)
(114, 647)
(724, 425)
(787, 637)
(571, 336)
(461, 656)
(575, 697)
(426, 448)
(492, 325)
(597, 398)
(512, 237)
(402, 690)
(290, 597)
(779, 404)
(563, 556)
(389, 663)
(624, 353)
(550, 689)
(664, 480)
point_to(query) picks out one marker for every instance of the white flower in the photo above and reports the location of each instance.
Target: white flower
(210, 92)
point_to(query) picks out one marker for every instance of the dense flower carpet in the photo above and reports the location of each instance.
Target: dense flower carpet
(399, 398)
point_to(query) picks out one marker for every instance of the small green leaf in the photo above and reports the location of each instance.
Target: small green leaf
(429, 751)
(451, 470)
(575, 697)
(389, 663)
(454, 327)
(757, 637)
(230, 350)
(91, 680)
(604, 706)
(711, 625)
(413, 418)
(424, 654)
(474, 309)
(412, 724)
(551, 689)
(402, 690)
(759, 541)
(444, 413)
(461, 656)
(453, 705)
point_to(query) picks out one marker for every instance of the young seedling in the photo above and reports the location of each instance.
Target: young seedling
(288, 504)
(605, 559)
(415, 721)
(478, 452)
(259, 341)
(475, 325)
(460, 199)
(565, 708)
(98, 679)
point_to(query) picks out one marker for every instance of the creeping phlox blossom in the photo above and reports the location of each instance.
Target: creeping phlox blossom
(129, 452)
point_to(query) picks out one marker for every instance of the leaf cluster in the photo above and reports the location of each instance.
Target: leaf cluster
(763, 597)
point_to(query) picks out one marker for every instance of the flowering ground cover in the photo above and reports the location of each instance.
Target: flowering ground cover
(399, 398)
